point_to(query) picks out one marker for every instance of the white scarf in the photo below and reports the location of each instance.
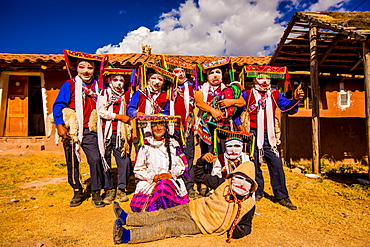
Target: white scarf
(108, 130)
(150, 99)
(217, 167)
(79, 113)
(261, 124)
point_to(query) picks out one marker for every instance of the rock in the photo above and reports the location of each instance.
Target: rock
(296, 170)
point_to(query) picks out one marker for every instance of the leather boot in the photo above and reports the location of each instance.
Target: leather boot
(121, 195)
(77, 198)
(96, 199)
(109, 196)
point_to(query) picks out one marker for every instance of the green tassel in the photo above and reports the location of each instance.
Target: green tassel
(200, 72)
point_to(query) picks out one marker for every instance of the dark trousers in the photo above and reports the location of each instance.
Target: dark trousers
(123, 164)
(275, 167)
(90, 147)
(189, 153)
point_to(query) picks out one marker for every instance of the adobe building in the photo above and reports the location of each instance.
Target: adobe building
(29, 85)
(326, 52)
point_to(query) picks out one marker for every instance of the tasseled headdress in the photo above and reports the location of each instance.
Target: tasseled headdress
(71, 58)
(245, 137)
(273, 72)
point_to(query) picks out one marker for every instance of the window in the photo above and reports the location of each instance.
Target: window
(344, 96)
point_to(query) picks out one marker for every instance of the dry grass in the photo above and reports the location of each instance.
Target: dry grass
(332, 211)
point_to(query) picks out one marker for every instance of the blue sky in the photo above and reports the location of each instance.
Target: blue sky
(202, 27)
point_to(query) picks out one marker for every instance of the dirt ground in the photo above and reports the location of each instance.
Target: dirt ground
(332, 211)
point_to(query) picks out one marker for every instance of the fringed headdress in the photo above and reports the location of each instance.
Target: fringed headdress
(71, 58)
(126, 73)
(169, 63)
(245, 137)
(273, 72)
(224, 63)
(153, 120)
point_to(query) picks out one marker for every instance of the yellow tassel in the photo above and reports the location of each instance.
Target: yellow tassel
(215, 142)
(252, 149)
(144, 76)
(141, 142)
(182, 134)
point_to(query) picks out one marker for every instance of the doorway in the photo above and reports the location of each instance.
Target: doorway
(24, 114)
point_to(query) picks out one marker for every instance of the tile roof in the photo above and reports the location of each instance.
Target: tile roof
(127, 59)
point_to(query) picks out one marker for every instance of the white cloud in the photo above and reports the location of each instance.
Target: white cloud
(327, 4)
(214, 27)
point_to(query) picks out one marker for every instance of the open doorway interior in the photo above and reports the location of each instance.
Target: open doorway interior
(36, 126)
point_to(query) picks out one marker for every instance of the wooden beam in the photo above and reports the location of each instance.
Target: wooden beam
(299, 31)
(283, 39)
(366, 51)
(314, 80)
(301, 39)
(328, 51)
(356, 64)
(323, 46)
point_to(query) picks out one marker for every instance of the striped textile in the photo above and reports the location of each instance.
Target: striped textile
(163, 196)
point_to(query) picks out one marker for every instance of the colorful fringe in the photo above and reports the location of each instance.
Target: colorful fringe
(203, 130)
(163, 196)
(181, 154)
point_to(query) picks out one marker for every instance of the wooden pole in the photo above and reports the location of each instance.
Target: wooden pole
(366, 58)
(314, 80)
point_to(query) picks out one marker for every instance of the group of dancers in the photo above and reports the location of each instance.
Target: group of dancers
(160, 111)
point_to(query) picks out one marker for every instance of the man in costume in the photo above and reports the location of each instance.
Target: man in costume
(235, 144)
(210, 114)
(115, 132)
(152, 98)
(182, 104)
(79, 96)
(207, 99)
(159, 166)
(262, 101)
(229, 209)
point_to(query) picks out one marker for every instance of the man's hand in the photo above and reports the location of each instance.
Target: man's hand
(62, 131)
(209, 157)
(225, 103)
(139, 114)
(123, 118)
(217, 114)
(299, 93)
(162, 176)
(242, 128)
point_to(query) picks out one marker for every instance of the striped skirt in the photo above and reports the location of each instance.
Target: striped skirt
(164, 195)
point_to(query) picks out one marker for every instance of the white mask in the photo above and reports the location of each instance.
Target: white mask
(155, 83)
(214, 76)
(116, 83)
(85, 70)
(180, 73)
(234, 149)
(262, 83)
(240, 185)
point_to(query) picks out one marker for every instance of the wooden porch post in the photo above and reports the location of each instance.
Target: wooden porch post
(366, 59)
(314, 80)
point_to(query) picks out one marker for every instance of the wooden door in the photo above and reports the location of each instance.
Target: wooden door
(17, 107)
